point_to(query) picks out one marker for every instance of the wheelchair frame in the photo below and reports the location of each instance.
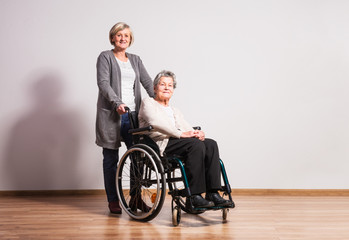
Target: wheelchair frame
(142, 173)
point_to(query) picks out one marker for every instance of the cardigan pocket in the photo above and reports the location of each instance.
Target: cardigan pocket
(107, 126)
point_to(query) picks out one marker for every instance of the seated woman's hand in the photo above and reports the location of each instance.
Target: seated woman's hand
(194, 134)
(188, 134)
(199, 134)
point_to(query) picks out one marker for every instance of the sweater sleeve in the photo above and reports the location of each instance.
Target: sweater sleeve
(153, 115)
(104, 79)
(181, 123)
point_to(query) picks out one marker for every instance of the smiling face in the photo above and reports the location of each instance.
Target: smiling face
(122, 39)
(164, 90)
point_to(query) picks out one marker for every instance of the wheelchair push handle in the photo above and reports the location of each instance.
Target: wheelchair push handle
(127, 109)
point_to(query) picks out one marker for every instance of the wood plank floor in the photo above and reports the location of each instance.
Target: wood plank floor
(255, 217)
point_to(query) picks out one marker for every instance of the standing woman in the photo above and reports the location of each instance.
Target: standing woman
(119, 78)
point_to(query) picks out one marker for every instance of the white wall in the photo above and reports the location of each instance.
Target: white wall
(267, 79)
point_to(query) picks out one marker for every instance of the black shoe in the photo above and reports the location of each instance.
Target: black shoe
(217, 199)
(198, 202)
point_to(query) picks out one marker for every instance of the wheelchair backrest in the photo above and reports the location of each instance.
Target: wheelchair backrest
(133, 118)
(144, 138)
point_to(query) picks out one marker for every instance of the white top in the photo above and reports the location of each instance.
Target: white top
(128, 77)
(169, 112)
(151, 113)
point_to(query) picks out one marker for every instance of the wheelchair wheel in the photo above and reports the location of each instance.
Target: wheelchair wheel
(140, 183)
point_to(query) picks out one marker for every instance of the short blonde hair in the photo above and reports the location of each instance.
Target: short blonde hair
(119, 27)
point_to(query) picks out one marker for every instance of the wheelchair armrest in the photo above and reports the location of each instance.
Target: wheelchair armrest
(149, 128)
(140, 130)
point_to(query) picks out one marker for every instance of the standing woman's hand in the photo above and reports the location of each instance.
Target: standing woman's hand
(121, 109)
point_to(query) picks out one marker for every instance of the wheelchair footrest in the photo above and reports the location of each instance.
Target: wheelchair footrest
(182, 193)
(213, 208)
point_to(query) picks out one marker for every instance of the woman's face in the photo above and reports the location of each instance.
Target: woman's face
(122, 39)
(164, 89)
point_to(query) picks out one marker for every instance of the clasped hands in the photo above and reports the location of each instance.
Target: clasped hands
(194, 134)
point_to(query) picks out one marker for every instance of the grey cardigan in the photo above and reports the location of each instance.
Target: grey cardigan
(109, 96)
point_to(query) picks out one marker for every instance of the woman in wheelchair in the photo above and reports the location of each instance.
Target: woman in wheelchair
(174, 136)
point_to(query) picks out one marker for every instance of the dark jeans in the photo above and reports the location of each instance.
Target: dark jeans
(111, 158)
(201, 162)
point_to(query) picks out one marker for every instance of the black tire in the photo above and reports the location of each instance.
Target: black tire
(143, 166)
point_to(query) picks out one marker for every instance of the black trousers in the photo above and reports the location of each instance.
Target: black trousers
(201, 162)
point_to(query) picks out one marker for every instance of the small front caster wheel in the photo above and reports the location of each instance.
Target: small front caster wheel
(176, 216)
(225, 213)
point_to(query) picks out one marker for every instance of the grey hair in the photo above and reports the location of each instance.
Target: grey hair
(165, 73)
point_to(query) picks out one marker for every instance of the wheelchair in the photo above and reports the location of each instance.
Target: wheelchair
(142, 172)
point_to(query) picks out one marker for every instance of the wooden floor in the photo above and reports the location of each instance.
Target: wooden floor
(255, 217)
